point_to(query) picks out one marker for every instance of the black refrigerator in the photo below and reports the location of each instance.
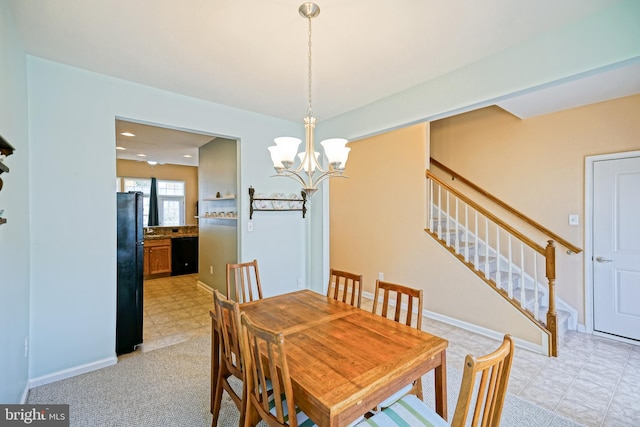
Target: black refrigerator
(130, 270)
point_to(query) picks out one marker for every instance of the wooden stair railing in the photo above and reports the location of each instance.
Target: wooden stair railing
(512, 210)
(469, 246)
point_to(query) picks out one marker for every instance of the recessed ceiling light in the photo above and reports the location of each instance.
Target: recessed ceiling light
(120, 148)
(188, 156)
(127, 134)
(142, 155)
(152, 163)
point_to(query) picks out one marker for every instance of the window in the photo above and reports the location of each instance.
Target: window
(171, 202)
(170, 199)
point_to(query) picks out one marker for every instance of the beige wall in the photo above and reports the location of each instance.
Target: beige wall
(537, 166)
(188, 174)
(377, 221)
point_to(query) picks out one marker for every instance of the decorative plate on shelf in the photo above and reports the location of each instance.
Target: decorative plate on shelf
(280, 204)
(262, 204)
(295, 204)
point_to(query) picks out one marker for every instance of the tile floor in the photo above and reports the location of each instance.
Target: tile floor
(595, 381)
(175, 310)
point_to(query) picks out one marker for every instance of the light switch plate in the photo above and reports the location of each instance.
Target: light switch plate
(574, 219)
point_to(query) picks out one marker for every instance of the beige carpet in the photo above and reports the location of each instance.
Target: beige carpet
(170, 387)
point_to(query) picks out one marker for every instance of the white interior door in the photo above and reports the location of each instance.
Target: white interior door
(616, 247)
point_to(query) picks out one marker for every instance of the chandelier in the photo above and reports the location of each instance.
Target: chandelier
(309, 173)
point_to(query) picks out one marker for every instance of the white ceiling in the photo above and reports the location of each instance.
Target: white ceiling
(158, 144)
(252, 54)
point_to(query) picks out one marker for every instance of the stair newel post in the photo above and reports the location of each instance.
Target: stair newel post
(552, 317)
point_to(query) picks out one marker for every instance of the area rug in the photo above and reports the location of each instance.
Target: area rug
(170, 387)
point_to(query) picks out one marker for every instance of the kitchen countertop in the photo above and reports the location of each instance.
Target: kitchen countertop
(156, 233)
(168, 236)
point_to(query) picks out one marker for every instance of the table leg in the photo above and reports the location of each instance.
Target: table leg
(441, 386)
(215, 357)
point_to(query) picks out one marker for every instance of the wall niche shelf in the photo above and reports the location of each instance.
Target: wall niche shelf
(223, 218)
(215, 199)
(253, 199)
(219, 208)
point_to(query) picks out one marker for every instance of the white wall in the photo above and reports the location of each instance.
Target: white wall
(73, 236)
(14, 199)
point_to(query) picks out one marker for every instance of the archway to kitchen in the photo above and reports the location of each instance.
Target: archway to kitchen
(197, 234)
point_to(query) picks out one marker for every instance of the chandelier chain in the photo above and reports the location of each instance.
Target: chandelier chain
(309, 109)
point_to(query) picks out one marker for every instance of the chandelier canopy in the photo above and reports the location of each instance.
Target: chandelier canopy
(308, 172)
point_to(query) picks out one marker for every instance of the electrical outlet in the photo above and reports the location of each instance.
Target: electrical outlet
(211, 269)
(26, 346)
(380, 276)
(300, 284)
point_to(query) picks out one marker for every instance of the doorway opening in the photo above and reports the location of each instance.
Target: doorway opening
(200, 165)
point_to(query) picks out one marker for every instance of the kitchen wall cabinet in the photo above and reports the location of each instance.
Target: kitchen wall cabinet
(157, 257)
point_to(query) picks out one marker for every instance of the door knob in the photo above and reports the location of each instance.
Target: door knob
(601, 259)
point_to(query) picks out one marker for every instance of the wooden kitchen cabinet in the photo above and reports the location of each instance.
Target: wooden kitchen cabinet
(157, 257)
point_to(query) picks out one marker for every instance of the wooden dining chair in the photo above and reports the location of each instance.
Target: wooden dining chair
(228, 324)
(265, 365)
(346, 287)
(493, 371)
(245, 280)
(393, 294)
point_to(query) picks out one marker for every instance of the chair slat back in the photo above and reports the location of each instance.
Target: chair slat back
(244, 278)
(346, 287)
(228, 318)
(267, 375)
(493, 371)
(395, 294)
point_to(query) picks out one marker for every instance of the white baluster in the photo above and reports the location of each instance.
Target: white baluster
(475, 255)
(536, 304)
(498, 256)
(486, 247)
(448, 228)
(439, 211)
(510, 282)
(457, 228)
(522, 282)
(431, 216)
(466, 232)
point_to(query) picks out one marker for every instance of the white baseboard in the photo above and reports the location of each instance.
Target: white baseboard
(72, 372)
(25, 394)
(536, 348)
(204, 286)
(490, 333)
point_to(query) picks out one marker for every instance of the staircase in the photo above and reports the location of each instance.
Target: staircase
(518, 268)
(505, 276)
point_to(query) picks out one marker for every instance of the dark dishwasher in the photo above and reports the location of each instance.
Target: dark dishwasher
(184, 255)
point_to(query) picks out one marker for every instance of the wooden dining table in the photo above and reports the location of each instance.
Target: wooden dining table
(343, 360)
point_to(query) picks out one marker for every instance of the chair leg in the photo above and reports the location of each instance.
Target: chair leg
(244, 403)
(217, 398)
(251, 415)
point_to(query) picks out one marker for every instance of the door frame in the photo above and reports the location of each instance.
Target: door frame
(588, 239)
